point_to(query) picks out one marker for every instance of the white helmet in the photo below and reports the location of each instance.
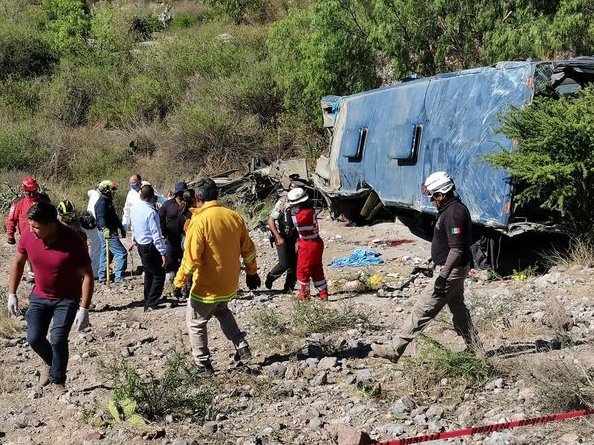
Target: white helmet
(438, 182)
(297, 195)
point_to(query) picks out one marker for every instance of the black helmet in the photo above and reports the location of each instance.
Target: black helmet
(66, 211)
(65, 207)
(87, 220)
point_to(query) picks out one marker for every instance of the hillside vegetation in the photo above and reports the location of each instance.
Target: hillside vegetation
(90, 91)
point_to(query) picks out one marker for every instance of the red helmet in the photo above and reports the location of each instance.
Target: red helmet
(29, 184)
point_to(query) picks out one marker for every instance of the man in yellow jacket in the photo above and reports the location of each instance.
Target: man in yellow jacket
(215, 239)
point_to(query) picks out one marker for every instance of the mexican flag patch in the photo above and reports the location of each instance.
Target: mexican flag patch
(456, 231)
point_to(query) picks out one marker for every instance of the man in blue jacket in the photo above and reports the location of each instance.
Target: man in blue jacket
(108, 224)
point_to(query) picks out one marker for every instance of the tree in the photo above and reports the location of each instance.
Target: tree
(320, 51)
(553, 166)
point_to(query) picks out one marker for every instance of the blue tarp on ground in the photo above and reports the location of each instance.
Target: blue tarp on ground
(359, 257)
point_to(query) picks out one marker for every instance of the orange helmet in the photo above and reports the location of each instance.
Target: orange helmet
(29, 184)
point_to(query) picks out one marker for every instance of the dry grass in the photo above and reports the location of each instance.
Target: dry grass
(525, 331)
(580, 253)
(561, 383)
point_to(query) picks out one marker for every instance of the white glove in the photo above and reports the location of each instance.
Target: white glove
(81, 321)
(13, 304)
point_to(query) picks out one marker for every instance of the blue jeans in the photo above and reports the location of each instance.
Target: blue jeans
(55, 351)
(120, 255)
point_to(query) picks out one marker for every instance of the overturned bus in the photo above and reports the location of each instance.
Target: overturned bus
(386, 141)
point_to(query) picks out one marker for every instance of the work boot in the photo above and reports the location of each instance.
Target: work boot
(58, 389)
(243, 352)
(205, 368)
(268, 282)
(385, 351)
(289, 288)
(44, 375)
(177, 293)
(324, 295)
(303, 294)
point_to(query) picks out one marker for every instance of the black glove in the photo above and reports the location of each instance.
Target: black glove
(439, 287)
(253, 281)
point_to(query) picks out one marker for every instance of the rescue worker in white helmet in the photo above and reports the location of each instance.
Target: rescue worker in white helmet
(450, 251)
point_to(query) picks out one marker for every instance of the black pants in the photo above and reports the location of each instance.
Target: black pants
(287, 262)
(174, 254)
(154, 274)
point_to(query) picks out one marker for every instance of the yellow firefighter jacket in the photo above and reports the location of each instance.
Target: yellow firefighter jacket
(215, 239)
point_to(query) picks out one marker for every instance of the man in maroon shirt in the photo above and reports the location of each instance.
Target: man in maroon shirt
(62, 292)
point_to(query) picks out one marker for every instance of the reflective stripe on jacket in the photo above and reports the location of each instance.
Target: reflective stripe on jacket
(306, 223)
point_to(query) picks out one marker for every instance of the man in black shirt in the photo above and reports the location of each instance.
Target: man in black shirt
(172, 226)
(450, 251)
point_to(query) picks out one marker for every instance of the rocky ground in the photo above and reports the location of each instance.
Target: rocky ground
(302, 387)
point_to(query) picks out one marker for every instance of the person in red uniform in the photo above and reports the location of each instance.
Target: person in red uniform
(17, 216)
(310, 245)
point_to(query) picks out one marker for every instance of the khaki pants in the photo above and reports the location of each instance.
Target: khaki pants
(197, 316)
(429, 306)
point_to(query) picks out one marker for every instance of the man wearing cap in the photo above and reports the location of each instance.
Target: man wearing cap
(171, 216)
(280, 224)
(450, 251)
(151, 248)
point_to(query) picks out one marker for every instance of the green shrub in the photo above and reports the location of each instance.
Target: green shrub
(24, 52)
(309, 317)
(176, 391)
(147, 99)
(19, 97)
(184, 20)
(82, 93)
(436, 362)
(238, 10)
(110, 29)
(553, 166)
(19, 146)
(143, 26)
(68, 23)
(270, 324)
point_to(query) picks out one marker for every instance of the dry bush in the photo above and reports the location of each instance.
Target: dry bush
(556, 317)
(561, 383)
(8, 381)
(9, 326)
(580, 253)
(524, 331)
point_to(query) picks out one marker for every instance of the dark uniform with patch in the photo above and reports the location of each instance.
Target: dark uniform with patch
(453, 230)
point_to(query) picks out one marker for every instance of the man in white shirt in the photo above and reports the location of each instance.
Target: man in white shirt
(135, 182)
(151, 246)
(93, 234)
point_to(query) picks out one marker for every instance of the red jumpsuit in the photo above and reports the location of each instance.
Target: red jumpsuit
(311, 248)
(17, 216)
